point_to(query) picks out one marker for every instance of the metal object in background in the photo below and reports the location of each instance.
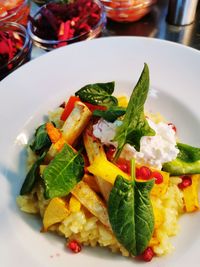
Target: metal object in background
(181, 12)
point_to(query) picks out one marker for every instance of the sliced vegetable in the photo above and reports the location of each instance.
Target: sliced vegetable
(69, 107)
(91, 181)
(63, 172)
(134, 124)
(93, 148)
(105, 169)
(91, 201)
(131, 214)
(55, 212)
(53, 133)
(98, 94)
(92, 107)
(187, 161)
(42, 141)
(110, 114)
(32, 176)
(190, 194)
(74, 204)
(76, 122)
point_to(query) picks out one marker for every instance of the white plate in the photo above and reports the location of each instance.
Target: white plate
(39, 86)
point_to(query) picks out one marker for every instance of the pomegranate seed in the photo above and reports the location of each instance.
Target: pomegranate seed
(110, 152)
(137, 173)
(173, 126)
(74, 246)
(186, 181)
(123, 165)
(143, 173)
(148, 254)
(157, 176)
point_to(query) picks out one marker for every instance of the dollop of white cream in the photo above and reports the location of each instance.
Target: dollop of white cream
(105, 131)
(154, 150)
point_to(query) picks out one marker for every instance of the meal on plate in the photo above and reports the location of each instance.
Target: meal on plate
(105, 172)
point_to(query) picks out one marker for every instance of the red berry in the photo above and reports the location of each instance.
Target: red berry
(186, 181)
(123, 165)
(173, 126)
(137, 173)
(157, 176)
(110, 152)
(143, 173)
(148, 254)
(74, 246)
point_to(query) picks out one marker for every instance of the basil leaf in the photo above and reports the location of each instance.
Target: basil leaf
(42, 141)
(63, 173)
(110, 114)
(32, 176)
(187, 161)
(134, 124)
(98, 94)
(131, 214)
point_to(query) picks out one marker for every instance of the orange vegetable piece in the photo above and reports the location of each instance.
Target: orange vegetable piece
(53, 133)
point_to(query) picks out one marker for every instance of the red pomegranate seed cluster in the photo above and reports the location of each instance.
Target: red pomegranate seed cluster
(145, 173)
(124, 165)
(186, 181)
(61, 21)
(74, 246)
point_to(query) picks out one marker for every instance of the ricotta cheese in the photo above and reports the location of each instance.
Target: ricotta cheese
(154, 150)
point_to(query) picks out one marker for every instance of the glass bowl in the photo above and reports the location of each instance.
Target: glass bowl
(57, 24)
(14, 11)
(127, 10)
(15, 47)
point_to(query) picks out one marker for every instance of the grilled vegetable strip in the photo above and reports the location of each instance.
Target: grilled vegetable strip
(93, 148)
(91, 201)
(76, 122)
(105, 169)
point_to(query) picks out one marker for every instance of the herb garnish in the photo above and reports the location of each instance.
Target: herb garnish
(111, 114)
(131, 214)
(42, 141)
(63, 172)
(98, 94)
(32, 176)
(134, 124)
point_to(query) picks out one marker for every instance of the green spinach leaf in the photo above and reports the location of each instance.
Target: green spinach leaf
(32, 176)
(42, 141)
(131, 214)
(187, 161)
(98, 94)
(134, 124)
(111, 114)
(63, 173)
